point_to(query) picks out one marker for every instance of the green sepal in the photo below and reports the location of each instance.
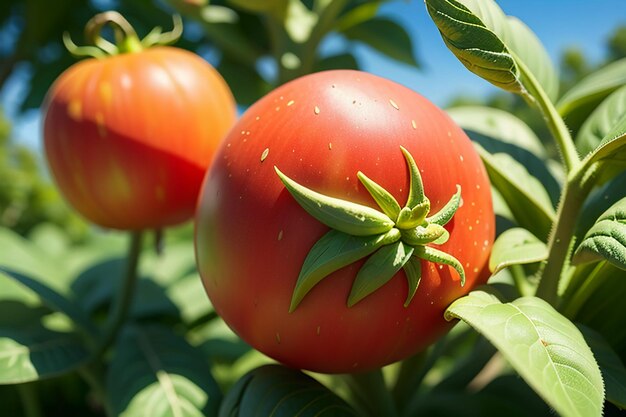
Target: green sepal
(378, 270)
(416, 187)
(443, 216)
(412, 217)
(413, 272)
(434, 255)
(332, 252)
(344, 216)
(383, 198)
(423, 235)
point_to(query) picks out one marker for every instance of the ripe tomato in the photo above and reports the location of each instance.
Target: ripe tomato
(129, 137)
(252, 237)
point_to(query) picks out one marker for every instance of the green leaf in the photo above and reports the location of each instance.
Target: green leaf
(434, 255)
(378, 270)
(333, 62)
(413, 272)
(601, 121)
(273, 390)
(332, 252)
(524, 194)
(593, 89)
(29, 350)
(53, 300)
(544, 347)
(245, 82)
(496, 47)
(416, 186)
(606, 239)
(612, 367)
(156, 372)
(344, 216)
(500, 132)
(516, 246)
(383, 198)
(443, 216)
(609, 158)
(386, 36)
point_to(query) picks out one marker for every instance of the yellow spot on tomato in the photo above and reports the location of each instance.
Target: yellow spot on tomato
(316, 110)
(106, 93)
(75, 109)
(102, 129)
(264, 154)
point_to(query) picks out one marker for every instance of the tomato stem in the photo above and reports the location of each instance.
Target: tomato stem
(126, 38)
(30, 399)
(123, 299)
(370, 389)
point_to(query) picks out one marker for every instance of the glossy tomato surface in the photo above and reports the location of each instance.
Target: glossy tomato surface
(252, 236)
(128, 138)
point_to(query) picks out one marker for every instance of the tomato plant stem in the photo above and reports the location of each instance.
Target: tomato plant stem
(371, 390)
(123, 299)
(560, 132)
(93, 375)
(30, 399)
(559, 244)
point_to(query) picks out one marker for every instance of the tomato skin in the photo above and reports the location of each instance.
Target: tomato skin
(128, 138)
(252, 236)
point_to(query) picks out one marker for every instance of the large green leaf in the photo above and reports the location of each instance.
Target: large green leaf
(386, 36)
(593, 89)
(545, 348)
(516, 246)
(496, 47)
(601, 121)
(273, 390)
(30, 347)
(613, 370)
(500, 132)
(53, 300)
(155, 372)
(606, 239)
(526, 197)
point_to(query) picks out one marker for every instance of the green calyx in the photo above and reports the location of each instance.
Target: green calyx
(393, 238)
(126, 39)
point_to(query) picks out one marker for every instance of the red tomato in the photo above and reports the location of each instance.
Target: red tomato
(128, 138)
(252, 236)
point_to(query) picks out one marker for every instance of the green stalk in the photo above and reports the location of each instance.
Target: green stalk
(370, 389)
(123, 299)
(30, 399)
(93, 376)
(554, 121)
(559, 244)
(409, 379)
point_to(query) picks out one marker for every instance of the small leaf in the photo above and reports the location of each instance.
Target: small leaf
(378, 270)
(606, 239)
(423, 235)
(413, 272)
(612, 367)
(516, 246)
(493, 45)
(601, 121)
(273, 390)
(416, 186)
(156, 372)
(524, 194)
(383, 198)
(544, 347)
(443, 216)
(386, 36)
(435, 255)
(344, 216)
(609, 158)
(593, 88)
(332, 252)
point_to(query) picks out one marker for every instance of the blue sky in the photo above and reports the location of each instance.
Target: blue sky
(558, 23)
